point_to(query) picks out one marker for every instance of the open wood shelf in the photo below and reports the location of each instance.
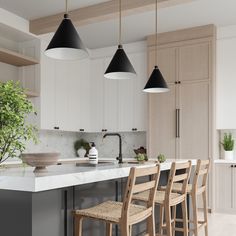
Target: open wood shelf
(31, 94)
(16, 59)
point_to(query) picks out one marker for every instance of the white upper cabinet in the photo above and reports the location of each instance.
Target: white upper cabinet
(77, 97)
(132, 101)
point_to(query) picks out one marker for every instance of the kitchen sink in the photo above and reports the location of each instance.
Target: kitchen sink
(100, 163)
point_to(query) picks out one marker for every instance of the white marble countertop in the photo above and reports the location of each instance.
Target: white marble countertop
(223, 161)
(66, 175)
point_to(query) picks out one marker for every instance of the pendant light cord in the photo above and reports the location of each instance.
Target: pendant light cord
(120, 39)
(67, 7)
(156, 36)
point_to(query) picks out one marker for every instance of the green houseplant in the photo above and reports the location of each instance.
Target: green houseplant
(228, 145)
(14, 130)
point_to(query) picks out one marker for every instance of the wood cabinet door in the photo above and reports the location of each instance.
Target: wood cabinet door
(224, 187)
(162, 124)
(194, 62)
(166, 61)
(194, 121)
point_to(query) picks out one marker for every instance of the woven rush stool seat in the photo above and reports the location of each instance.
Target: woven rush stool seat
(177, 187)
(126, 213)
(160, 196)
(110, 211)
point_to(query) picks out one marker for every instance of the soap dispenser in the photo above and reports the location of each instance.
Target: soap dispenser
(93, 154)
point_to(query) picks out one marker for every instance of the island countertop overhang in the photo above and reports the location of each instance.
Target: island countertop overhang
(68, 175)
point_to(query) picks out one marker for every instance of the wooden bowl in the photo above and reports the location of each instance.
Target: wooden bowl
(40, 160)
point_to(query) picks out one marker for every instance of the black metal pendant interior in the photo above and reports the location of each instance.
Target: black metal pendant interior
(156, 82)
(120, 66)
(66, 43)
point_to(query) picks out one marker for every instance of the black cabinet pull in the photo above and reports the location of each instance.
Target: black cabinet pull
(104, 130)
(81, 130)
(56, 127)
(232, 166)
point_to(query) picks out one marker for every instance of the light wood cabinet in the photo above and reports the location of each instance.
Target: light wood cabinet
(225, 188)
(180, 120)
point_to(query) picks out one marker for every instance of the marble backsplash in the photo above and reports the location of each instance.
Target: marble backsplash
(63, 142)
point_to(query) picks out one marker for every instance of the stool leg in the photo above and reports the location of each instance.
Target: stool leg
(130, 230)
(185, 217)
(151, 225)
(204, 196)
(161, 218)
(174, 219)
(124, 229)
(78, 225)
(108, 229)
(195, 214)
(168, 220)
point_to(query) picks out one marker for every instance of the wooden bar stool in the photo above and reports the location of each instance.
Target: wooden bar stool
(199, 186)
(126, 214)
(179, 172)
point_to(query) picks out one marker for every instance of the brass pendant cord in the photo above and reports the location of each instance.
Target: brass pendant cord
(120, 22)
(67, 7)
(156, 37)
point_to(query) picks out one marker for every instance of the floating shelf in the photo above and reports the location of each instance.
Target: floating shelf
(16, 59)
(31, 94)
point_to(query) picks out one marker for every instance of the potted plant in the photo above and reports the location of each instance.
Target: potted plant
(228, 145)
(161, 158)
(14, 129)
(81, 147)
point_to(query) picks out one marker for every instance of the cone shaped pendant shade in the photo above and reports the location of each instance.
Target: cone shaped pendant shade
(156, 83)
(66, 43)
(120, 66)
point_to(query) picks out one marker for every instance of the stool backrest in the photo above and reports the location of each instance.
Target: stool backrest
(201, 174)
(149, 184)
(179, 172)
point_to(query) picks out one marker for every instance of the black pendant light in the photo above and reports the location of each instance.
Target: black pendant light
(66, 43)
(120, 66)
(156, 82)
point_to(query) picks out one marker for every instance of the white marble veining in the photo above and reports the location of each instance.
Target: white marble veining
(63, 142)
(24, 179)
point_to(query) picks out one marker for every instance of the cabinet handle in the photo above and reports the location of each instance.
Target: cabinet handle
(134, 129)
(104, 130)
(232, 166)
(81, 130)
(177, 133)
(56, 127)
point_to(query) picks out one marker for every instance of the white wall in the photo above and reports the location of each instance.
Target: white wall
(226, 78)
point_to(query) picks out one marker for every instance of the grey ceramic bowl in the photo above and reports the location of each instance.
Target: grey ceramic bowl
(40, 160)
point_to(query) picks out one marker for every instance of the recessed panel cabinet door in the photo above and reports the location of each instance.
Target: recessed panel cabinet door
(62, 77)
(78, 80)
(194, 121)
(194, 62)
(47, 92)
(110, 94)
(166, 61)
(162, 124)
(224, 187)
(96, 94)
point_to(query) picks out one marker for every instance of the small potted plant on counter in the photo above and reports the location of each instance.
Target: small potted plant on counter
(14, 129)
(228, 145)
(81, 147)
(161, 158)
(141, 157)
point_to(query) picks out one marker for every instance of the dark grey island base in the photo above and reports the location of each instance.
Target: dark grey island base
(49, 213)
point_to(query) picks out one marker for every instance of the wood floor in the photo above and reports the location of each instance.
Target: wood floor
(221, 225)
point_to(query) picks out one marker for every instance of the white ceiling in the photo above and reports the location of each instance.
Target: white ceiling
(135, 27)
(32, 9)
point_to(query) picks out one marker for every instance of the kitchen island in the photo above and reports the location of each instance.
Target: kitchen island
(40, 204)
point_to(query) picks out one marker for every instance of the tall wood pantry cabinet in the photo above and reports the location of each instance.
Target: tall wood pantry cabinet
(180, 120)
